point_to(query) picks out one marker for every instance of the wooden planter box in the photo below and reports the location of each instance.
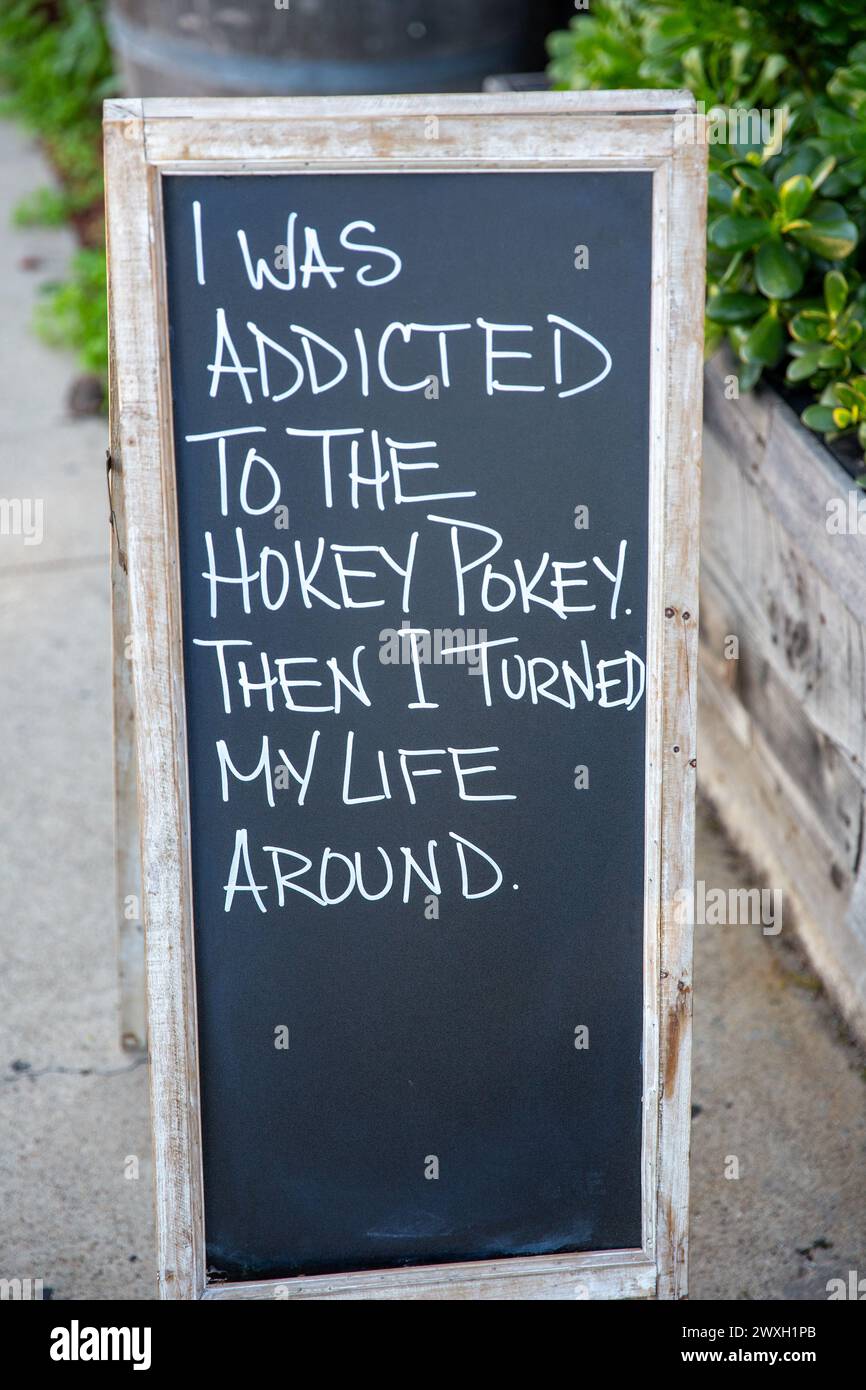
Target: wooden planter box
(782, 729)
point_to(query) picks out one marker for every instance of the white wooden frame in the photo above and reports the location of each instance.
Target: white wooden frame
(145, 140)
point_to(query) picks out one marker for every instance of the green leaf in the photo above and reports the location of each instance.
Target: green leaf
(732, 267)
(802, 367)
(814, 13)
(846, 396)
(801, 161)
(833, 124)
(749, 375)
(850, 334)
(766, 342)
(739, 58)
(719, 190)
(795, 195)
(773, 67)
(755, 180)
(831, 357)
(730, 233)
(818, 417)
(830, 232)
(823, 171)
(835, 291)
(734, 308)
(778, 271)
(809, 328)
(839, 184)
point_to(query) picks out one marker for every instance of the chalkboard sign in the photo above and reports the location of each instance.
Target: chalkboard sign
(406, 401)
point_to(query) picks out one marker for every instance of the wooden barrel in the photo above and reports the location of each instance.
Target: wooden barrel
(283, 47)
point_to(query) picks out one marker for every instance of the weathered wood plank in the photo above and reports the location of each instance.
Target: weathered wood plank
(825, 910)
(603, 129)
(127, 857)
(783, 732)
(142, 454)
(817, 781)
(796, 475)
(619, 1274)
(740, 422)
(678, 619)
(800, 623)
(338, 108)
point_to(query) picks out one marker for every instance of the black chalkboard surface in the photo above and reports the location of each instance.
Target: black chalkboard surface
(417, 856)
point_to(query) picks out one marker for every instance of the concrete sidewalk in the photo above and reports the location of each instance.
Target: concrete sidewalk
(72, 1107)
(775, 1084)
(778, 1086)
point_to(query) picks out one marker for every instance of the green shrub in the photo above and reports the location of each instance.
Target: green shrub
(787, 215)
(44, 207)
(55, 71)
(72, 314)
